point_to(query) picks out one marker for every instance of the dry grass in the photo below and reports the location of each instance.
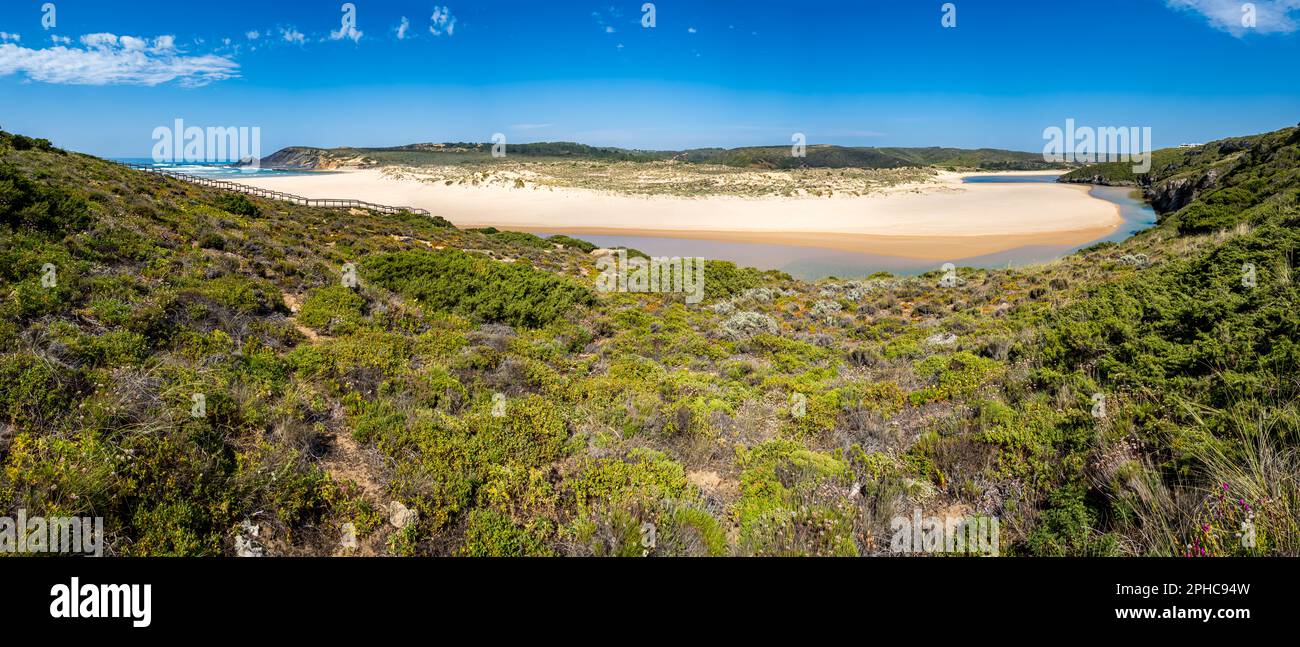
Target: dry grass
(669, 178)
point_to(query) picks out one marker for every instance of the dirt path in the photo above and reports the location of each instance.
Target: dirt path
(347, 461)
(295, 304)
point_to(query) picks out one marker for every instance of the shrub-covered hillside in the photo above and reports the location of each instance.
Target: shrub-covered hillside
(205, 373)
(818, 156)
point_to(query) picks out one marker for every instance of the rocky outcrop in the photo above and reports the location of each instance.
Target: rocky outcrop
(1172, 193)
(1097, 179)
(298, 158)
(1176, 193)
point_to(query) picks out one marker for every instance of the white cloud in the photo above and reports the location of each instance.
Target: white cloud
(346, 31)
(253, 35)
(60, 40)
(691, 30)
(615, 16)
(6, 36)
(403, 28)
(99, 41)
(1270, 16)
(293, 35)
(106, 59)
(443, 22)
(132, 44)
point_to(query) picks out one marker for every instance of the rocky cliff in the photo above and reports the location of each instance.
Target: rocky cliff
(1177, 177)
(305, 158)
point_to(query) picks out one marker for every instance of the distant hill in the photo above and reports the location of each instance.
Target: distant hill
(303, 157)
(842, 157)
(768, 157)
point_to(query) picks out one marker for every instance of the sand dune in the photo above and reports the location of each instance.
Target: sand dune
(935, 220)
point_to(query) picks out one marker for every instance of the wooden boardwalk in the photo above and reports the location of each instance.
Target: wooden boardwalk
(325, 203)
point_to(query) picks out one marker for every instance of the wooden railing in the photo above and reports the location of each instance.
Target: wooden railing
(326, 203)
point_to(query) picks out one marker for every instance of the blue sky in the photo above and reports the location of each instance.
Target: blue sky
(710, 73)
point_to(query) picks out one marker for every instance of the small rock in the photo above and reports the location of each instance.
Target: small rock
(245, 544)
(941, 339)
(400, 516)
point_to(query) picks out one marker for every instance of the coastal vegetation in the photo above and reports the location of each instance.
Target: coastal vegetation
(668, 178)
(767, 157)
(472, 393)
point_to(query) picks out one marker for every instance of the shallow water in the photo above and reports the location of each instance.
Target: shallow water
(216, 170)
(811, 263)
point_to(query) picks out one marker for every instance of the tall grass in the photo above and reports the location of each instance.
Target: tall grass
(1247, 477)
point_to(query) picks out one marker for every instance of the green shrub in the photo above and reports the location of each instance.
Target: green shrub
(1219, 210)
(476, 287)
(421, 220)
(723, 279)
(1065, 528)
(238, 204)
(242, 294)
(784, 510)
(956, 375)
(334, 309)
(212, 240)
(521, 238)
(34, 393)
(25, 143)
(580, 245)
(531, 432)
(642, 473)
(491, 534)
(43, 207)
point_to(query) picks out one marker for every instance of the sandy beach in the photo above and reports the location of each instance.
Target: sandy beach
(939, 219)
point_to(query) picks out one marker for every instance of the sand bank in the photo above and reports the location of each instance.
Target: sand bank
(938, 220)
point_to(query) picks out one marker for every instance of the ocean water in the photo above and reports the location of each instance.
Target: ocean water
(811, 263)
(220, 170)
